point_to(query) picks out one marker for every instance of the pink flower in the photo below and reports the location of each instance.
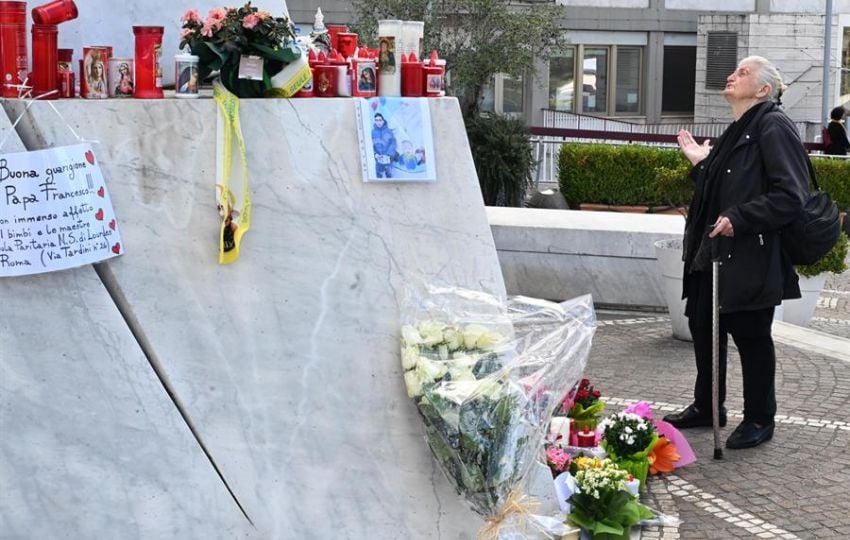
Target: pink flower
(216, 14)
(641, 408)
(186, 32)
(191, 15)
(251, 21)
(558, 458)
(208, 29)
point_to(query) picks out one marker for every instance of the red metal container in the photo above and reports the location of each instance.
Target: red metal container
(45, 58)
(13, 47)
(93, 73)
(148, 77)
(55, 12)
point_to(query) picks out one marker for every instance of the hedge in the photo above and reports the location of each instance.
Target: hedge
(643, 175)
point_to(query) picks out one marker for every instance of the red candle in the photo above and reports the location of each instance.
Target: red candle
(324, 82)
(433, 76)
(55, 12)
(412, 74)
(148, 64)
(365, 73)
(347, 42)
(65, 73)
(45, 58)
(586, 438)
(13, 47)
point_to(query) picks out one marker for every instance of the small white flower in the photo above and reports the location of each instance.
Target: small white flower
(410, 336)
(413, 384)
(431, 332)
(429, 370)
(409, 357)
(453, 338)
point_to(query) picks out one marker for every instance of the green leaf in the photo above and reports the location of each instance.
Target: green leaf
(285, 54)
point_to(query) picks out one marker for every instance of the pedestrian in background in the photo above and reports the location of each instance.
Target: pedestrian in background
(839, 145)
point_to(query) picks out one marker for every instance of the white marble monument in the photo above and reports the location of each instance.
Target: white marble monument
(91, 446)
(287, 360)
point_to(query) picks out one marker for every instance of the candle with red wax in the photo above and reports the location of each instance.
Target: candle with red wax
(586, 438)
(148, 62)
(45, 58)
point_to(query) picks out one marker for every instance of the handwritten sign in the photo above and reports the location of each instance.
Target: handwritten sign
(55, 212)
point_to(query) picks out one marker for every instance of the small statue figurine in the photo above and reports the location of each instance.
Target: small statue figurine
(319, 37)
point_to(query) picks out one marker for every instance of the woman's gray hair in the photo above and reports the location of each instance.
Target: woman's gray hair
(767, 74)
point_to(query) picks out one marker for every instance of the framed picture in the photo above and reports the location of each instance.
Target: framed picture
(396, 141)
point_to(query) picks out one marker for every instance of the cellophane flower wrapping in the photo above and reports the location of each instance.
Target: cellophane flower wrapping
(486, 375)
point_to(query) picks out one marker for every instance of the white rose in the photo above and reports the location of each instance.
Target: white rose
(453, 338)
(413, 384)
(430, 370)
(409, 357)
(471, 334)
(461, 374)
(431, 332)
(410, 336)
(488, 340)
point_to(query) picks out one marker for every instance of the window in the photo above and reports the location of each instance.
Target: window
(562, 81)
(721, 58)
(679, 79)
(845, 66)
(628, 79)
(511, 94)
(594, 80)
(503, 95)
(611, 78)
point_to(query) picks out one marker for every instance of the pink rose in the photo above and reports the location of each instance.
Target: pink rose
(191, 15)
(251, 21)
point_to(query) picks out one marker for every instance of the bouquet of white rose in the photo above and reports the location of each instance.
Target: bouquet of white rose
(486, 376)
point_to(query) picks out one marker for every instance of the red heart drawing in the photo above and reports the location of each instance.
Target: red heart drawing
(90, 157)
(112, 224)
(99, 215)
(116, 249)
(100, 192)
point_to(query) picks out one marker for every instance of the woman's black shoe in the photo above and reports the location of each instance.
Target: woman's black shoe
(693, 417)
(749, 434)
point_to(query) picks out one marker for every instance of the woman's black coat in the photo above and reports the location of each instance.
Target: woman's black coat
(763, 184)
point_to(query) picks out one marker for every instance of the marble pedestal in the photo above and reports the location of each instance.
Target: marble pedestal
(287, 361)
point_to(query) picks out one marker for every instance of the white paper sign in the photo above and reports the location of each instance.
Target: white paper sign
(55, 211)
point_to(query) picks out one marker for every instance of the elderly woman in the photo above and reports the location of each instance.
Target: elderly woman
(747, 187)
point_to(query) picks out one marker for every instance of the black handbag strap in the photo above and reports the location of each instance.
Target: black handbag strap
(812, 173)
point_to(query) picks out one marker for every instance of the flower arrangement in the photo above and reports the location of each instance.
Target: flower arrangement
(485, 375)
(671, 449)
(228, 35)
(629, 438)
(602, 503)
(558, 459)
(583, 404)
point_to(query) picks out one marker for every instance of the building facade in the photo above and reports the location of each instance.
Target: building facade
(656, 61)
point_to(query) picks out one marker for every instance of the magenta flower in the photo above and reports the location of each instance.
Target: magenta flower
(641, 408)
(558, 458)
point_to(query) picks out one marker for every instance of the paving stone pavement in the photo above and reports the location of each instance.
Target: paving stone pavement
(795, 486)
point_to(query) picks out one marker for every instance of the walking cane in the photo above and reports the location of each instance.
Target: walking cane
(715, 352)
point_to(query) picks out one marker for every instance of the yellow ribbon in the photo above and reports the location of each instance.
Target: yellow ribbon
(518, 504)
(228, 104)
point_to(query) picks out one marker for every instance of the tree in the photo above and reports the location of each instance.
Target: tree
(478, 38)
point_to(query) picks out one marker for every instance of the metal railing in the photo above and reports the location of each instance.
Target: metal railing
(561, 127)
